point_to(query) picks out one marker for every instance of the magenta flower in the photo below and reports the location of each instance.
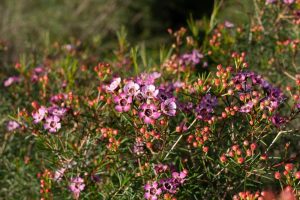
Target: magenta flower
(123, 102)
(228, 24)
(40, 114)
(179, 177)
(149, 91)
(131, 88)
(52, 124)
(76, 186)
(149, 113)
(114, 84)
(152, 191)
(147, 79)
(11, 80)
(168, 107)
(12, 125)
(169, 185)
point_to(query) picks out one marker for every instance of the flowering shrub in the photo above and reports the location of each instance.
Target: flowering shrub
(200, 122)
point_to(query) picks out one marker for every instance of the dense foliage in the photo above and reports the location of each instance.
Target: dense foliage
(213, 116)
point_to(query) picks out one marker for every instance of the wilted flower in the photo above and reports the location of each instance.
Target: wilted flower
(123, 102)
(152, 191)
(40, 114)
(277, 120)
(148, 113)
(206, 107)
(168, 107)
(52, 124)
(12, 125)
(76, 186)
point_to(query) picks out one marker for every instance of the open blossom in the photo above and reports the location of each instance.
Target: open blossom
(228, 24)
(57, 111)
(11, 80)
(131, 88)
(59, 174)
(76, 186)
(40, 114)
(113, 85)
(52, 124)
(179, 176)
(147, 78)
(247, 107)
(168, 107)
(123, 102)
(152, 191)
(149, 91)
(12, 125)
(169, 185)
(206, 107)
(148, 113)
(191, 58)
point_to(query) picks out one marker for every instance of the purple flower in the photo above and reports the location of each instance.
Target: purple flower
(123, 102)
(52, 124)
(206, 107)
(149, 91)
(12, 125)
(11, 80)
(247, 107)
(169, 185)
(57, 111)
(131, 88)
(288, 1)
(191, 58)
(76, 186)
(168, 107)
(58, 97)
(277, 120)
(152, 191)
(40, 114)
(148, 113)
(113, 85)
(270, 1)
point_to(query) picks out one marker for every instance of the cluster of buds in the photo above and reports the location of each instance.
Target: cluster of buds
(102, 69)
(199, 138)
(45, 184)
(290, 175)
(247, 195)
(109, 135)
(239, 155)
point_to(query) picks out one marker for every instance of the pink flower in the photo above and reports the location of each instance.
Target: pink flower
(114, 84)
(123, 102)
(76, 186)
(57, 111)
(12, 125)
(59, 174)
(40, 114)
(52, 124)
(168, 107)
(11, 80)
(152, 191)
(149, 91)
(288, 1)
(131, 88)
(149, 113)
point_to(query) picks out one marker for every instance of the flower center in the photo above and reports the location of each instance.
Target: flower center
(123, 102)
(148, 112)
